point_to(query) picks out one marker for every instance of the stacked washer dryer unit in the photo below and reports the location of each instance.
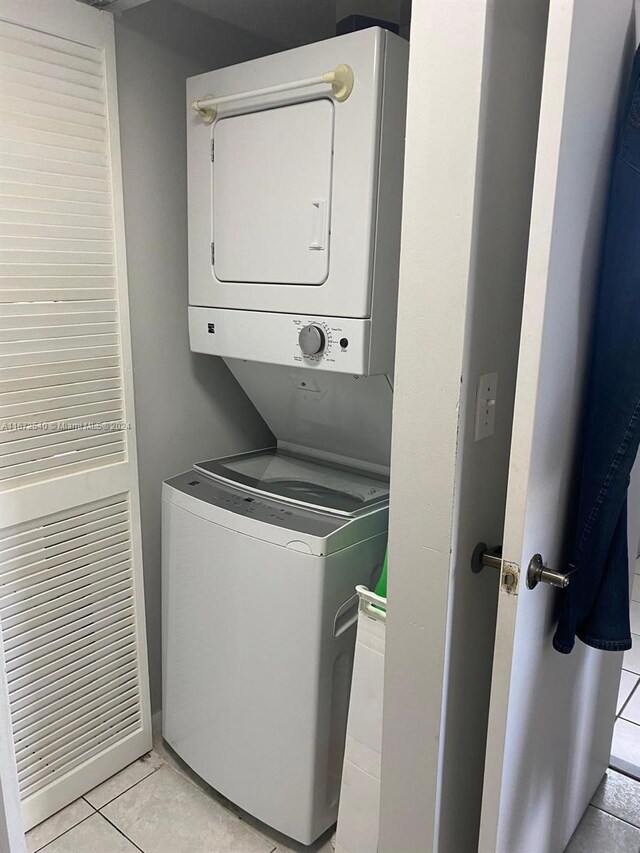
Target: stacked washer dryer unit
(295, 186)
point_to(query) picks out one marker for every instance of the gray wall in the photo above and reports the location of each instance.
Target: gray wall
(188, 407)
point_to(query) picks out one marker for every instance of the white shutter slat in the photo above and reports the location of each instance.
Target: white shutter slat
(57, 650)
(59, 140)
(57, 312)
(77, 720)
(46, 40)
(54, 118)
(24, 573)
(30, 243)
(35, 79)
(25, 189)
(27, 735)
(23, 334)
(58, 284)
(55, 410)
(48, 391)
(69, 594)
(45, 360)
(50, 231)
(8, 296)
(22, 48)
(40, 164)
(71, 667)
(9, 175)
(23, 598)
(40, 99)
(74, 425)
(96, 743)
(66, 157)
(16, 349)
(103, 440)
(102, 660)
(93, 123)
(71, 619)
(41, 768)
(68, 527)
(115, 673)
(11, 258)
(58, 373)
(11, 206)
(57, 220)
(55, 285)
(110, 678)
(55, 384)
(64, 463)
(116, 627)
(42, 123)
(52, 72)
(39, 202)
(44, 271)
(91, 618)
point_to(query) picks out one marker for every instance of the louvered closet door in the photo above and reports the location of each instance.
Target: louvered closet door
(71, 607)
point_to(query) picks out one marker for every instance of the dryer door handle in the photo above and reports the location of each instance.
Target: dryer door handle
(318, 224)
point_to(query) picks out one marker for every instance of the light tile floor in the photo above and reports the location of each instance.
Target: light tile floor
(612, 821)
(625, 749)
(157, 805)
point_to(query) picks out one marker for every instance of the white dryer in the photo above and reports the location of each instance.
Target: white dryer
(295, 195)
(260, 557)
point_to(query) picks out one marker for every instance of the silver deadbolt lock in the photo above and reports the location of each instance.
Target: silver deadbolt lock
(537, 572)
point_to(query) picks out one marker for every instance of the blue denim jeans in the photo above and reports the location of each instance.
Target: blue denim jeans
(595, 606)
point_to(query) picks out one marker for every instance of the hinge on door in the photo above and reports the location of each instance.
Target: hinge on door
(213, 254)
(509, 577)
(212, 147)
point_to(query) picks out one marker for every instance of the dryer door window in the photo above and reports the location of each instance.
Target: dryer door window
(272, 195)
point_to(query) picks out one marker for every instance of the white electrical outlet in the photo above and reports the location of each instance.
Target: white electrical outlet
(486, 405)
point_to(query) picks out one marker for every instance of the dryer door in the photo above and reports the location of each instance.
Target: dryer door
(272, 195)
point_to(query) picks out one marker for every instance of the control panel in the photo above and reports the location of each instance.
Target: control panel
(339, 344)
(239, 502)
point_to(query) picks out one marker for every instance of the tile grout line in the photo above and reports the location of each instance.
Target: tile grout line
(626, 702)
(117, 828)
(51, 840)
(617, 817)
(108, 803)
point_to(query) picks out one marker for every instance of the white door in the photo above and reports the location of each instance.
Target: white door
(71, 601)
(551, 715)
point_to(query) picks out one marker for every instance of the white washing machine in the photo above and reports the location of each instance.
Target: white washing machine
(260, 556)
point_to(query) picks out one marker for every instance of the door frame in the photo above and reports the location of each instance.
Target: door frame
(448, 490)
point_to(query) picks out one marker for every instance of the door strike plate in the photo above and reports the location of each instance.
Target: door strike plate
(509, 576)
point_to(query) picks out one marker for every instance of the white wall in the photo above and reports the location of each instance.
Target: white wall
(188, 407)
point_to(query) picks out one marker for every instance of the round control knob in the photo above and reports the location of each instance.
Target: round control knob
(311, 340)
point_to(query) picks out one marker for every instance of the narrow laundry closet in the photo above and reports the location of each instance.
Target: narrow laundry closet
(297, 318)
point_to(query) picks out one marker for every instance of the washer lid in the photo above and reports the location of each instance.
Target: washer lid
(301, 480)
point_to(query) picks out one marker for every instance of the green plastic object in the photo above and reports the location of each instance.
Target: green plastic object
(381, 586)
